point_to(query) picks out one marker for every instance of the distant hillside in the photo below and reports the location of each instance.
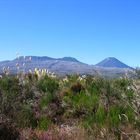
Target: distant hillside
(112, 62)
(110, 67)
(45, 58)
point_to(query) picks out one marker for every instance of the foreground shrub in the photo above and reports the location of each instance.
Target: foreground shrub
(26, 117)
(107, 108)
(8, 130)
(80, 104)
(77, 87)
(48, 84)
(43, 123)
(120, 114)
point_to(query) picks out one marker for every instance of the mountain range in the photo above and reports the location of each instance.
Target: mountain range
(111, 66)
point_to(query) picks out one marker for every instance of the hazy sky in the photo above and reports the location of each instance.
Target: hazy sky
(89, 30)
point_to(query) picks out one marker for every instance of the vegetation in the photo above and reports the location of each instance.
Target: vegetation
(38, 106)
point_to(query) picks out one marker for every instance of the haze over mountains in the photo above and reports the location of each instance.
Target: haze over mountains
(68, 65)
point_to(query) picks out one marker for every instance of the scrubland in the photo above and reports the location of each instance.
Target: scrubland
(40, 106)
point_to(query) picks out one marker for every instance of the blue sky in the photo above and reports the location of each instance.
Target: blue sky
(89, 30)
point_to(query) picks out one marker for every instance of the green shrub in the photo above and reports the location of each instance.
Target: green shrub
(129, 112)
(5, 83)
(122, 84)
(97, 118)
(81, 103)
(88, 121)
(44, 123)
(46, 99)
(43, 102)
(77, 87)
(94, 86)
(9, 96)
(100, 116)
(47, 84)
(9, 84)
(130, 94)
(113, 116)
(96, 103)
(26, 117)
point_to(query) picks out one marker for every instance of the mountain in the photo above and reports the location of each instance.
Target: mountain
(110, 67)
(61, 66)
(112, 62)
(45, 58)
(71, 59)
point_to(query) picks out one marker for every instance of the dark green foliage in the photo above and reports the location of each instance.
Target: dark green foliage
(47, 84)
(10, 92)
(88, 121)
(113, 115)
(94, 85)
(47, 99)
(81, 104)
(129, 112)
(26, 117)
(43, 102)
(98, 118)
(77, 87)
(118, 114)
(100, 115)
(44, 123)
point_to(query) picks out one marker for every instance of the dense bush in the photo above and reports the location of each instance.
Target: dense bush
(97, 105)
(47, 84)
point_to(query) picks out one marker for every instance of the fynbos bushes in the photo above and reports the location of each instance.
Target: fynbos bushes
(48, 105)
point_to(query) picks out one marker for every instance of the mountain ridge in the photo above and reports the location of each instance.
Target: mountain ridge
(45, 58)
(63, 66)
